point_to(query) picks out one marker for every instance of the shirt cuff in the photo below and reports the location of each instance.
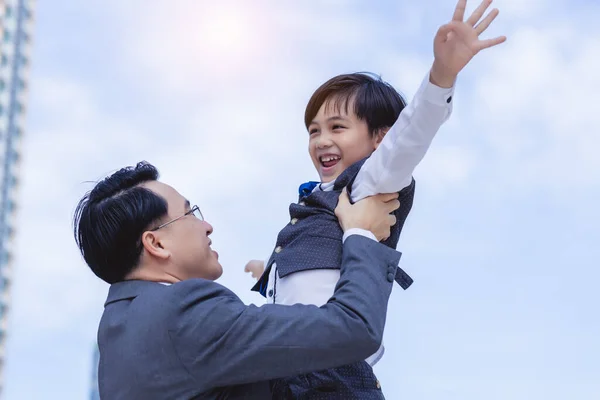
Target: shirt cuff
(358, 231)
(437, 95)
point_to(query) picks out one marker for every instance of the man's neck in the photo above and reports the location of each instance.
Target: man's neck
(151, 275)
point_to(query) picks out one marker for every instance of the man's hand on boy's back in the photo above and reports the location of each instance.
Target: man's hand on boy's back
(457, 42)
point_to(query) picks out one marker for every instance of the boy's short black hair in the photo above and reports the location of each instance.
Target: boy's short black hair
(375, 101)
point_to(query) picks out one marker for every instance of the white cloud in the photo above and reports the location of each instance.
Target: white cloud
(71, 142)
(198, 43)
(230, 83)
(446, 167)
(536, 104)
(523, 9)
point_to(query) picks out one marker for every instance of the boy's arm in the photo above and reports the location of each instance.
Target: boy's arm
(390, 167)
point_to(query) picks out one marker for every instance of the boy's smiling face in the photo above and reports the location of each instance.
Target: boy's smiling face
(338, 139)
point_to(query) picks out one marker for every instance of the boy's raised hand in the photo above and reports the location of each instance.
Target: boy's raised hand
(457, 42)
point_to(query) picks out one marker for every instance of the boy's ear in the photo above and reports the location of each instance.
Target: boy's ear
(379, 134)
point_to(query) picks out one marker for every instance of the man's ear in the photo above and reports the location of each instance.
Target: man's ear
(378, 137)
(153, 245)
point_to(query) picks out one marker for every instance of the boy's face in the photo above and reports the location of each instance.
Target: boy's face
(337, 140)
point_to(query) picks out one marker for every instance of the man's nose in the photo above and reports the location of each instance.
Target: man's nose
(208, 227)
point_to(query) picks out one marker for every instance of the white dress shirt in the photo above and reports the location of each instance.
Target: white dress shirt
(389, 169)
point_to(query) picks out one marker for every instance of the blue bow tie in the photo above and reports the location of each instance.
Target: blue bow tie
(306, 188)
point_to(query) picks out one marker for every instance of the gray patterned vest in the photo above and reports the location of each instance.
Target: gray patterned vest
(313, 237)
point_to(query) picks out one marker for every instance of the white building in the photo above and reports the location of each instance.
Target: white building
(16, 19)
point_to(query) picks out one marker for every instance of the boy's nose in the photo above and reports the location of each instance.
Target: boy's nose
(324, 141)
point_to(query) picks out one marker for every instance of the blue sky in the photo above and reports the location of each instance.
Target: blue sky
(502, 241)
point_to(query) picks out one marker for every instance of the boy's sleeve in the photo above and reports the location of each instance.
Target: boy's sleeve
(390, 167)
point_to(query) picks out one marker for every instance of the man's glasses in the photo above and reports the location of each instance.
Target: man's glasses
(195, 211)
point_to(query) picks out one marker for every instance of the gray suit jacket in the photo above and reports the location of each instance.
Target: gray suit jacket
(197, 340)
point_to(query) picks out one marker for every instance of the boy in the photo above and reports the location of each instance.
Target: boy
(363, 138)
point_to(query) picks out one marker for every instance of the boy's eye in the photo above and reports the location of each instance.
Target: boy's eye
(312, 130)
(336, 127)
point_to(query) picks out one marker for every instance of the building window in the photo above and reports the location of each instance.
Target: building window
(8, 12)
(7, 36)
(4, 59)
(6, 257)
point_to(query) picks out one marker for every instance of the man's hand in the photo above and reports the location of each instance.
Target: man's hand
(457, 42)
(255, 267)
(371, 214)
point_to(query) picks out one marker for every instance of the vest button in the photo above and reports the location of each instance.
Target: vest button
(293, 222)
(302, 203)
(378, 384)
(278, 249)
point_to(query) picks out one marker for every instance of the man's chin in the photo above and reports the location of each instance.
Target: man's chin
(218, 272)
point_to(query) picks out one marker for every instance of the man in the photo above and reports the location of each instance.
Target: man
(169, 332)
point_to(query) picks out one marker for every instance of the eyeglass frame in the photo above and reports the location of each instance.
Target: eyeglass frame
(192, 210)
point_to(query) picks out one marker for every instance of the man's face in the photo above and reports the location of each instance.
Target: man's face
(187, 239)
(337, 140)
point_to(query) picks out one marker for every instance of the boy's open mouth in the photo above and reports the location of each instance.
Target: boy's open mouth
(329, 160)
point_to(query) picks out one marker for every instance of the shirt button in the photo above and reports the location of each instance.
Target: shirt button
(271, 293)
(449, 99)
(278, 249)
(293, 222)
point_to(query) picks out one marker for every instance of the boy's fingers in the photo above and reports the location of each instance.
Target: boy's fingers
(484, 44)
(483, 25)
(442, 33)
(459, 12)
(478, 13)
